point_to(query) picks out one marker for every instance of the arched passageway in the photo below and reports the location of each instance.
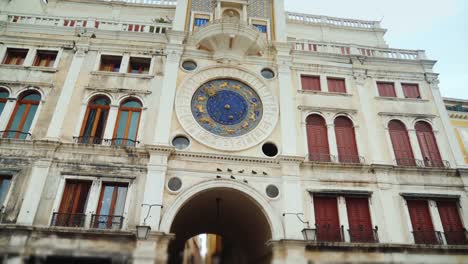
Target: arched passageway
(229, 213)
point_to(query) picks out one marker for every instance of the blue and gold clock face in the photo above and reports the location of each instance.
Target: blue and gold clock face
(227, 107)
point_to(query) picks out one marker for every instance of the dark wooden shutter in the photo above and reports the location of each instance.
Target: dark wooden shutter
(428, 145)
(386, 89)
(411, 90)
(326, 219)
(317, 138)
(360, 225)
(423, 230)
(453, 227)
(311, 83)
(346, 140)
(336, 85)
(75, 196)
(401, 143)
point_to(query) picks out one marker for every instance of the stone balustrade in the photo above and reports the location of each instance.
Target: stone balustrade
(343, 49)
(102, 24)
(334, 21)
(146, 2)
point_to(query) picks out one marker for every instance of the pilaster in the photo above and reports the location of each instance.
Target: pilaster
(111, 122)
(180, 18)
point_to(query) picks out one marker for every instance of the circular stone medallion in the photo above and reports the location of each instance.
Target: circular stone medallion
(227, 107)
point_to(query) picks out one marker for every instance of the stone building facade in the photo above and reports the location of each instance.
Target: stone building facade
(228, 117)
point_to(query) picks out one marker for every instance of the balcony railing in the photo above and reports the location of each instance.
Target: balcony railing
(459, 237)
(319, 157)
(123, 142)
(364, 234)
(409, 162)
(68, 220)
(345, 49)
(436, 163)
(427, 237)
(88, 140)
(333, 21)
(328, 233)
(15, 134)
(351, 159)
(107, 221)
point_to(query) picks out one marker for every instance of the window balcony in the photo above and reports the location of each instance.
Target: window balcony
(114, 222)
(320, 157)
(436, 163)
(459, 237)
(327, 233)
(123, 142)
(15, 134)
(364, 235)
(409, 162)
(427, 237)
(351, 159)
(88, 140)
(68, 220)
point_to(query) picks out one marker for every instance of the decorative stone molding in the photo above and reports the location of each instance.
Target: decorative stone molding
(327, 109)
(191, 126)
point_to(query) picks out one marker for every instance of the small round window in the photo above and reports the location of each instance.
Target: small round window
(270, 149)
(189, 65)
(268, 73)
(181, 142)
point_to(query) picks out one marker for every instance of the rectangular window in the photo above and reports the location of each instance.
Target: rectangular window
(454, 230)
(111, 206)
(45, 58)
(5, 182)
(326, 219)
(73, 205)
(310, 83)
(423, 229)
(199, 22)
(345, 50)
(411, 90)
(360, 225)
(139, 65)
(261, 28)
(110, 63)
(336, 85)
(386, 89)
(15, 56)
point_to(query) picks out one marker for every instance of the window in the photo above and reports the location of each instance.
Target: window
(411, 90)
(110, 63)
(360, 225)
(199, 22)
(428, 145)
(317, 139)
(73, 205)
(135, 28)
(4, 94)
(346, 140)
(128, 120)
(310, 83)
(111, 206)
(94, 122)
(386, 89)
(261, 28)
(423, 230)
(336, 85)
(5, 182)
(451, 222)
(326, 219)
(15, 56)
(45, 58)
(139, 65)
(401, 143)
(23, 115)
(345, 50)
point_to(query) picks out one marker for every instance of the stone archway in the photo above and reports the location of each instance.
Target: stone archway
(233, 210)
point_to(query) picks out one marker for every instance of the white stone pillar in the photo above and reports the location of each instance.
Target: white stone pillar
(292, 198)
(110, 124)
(435, 216)
(29, 60)
(63, 102)
(288, 106)
(399, 90)
(415, 144)
(280, 21)
(168, 91)
(7, 112)
(343, 215)
(32, 196)
(332, 141)
(180, 18)
(124, 64)
(324, 83)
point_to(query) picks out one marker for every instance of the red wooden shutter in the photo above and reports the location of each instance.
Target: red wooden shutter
(428, 145)
(326, 219)
(386, 89)
(336, 85)
(401, 143)
(346, 140)
(311, 83)
(423, 230)
(75, 196)
(411, 90)
(317, 138)
(451, 222)
(359, 219)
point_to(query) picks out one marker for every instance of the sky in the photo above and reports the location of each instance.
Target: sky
(438, 27)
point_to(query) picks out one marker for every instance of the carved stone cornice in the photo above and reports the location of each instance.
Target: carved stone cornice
(412, 115)
(327, 109)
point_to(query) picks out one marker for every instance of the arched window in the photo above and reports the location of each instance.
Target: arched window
(401, 143)
(128, 119)
(3, 99)
(94, 122)
(428, 145)
(346, 140)
(23, 115)
(317, 138)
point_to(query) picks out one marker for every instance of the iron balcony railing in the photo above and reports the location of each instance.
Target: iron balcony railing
(15, 134)
(320, 157)
(459, 237)
(68, 220)
(409, 162)
(328, 233)
(364, 234)
(88, 140)
(427, 237)
(122, 142)
(436, 163)
(351, 159)
(107, 221)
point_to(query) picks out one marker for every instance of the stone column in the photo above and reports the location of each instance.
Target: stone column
(110, 124)
(7, 112)
(343, 217)
(168, 90)
(332, 141)
(61, 109)
(288, 106)
(180, 18)
(415, 144)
